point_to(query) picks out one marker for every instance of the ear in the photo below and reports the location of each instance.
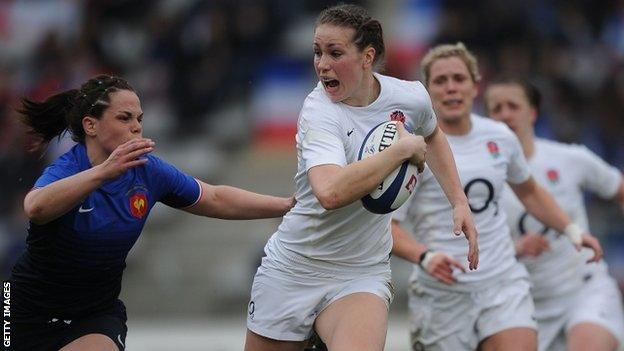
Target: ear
(89, 125)
(533, 116)
(369, 57)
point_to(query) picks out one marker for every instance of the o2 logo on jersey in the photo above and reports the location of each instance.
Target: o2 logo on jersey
(481, 186)
(526, 220)
(138, 205)
(493, 149)
(553, 176)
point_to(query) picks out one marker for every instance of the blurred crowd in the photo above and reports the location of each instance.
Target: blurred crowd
(190, 58)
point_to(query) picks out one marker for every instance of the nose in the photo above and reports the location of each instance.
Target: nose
(136, 127)
(323, 63)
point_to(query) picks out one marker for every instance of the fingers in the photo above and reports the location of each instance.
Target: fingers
(456, 264)
(443, 272)
(473, 254)
(401, 129)
(420, 166)
(592, 243)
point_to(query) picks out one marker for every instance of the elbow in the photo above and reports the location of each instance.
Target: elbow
(33, 212)
(329, 201)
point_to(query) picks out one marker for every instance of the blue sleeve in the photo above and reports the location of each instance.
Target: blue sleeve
(174, 187)
(61, 168)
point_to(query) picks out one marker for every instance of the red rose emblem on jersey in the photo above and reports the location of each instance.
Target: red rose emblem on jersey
(138, 205)
(397, 116)
(553, 176)
(493, 149)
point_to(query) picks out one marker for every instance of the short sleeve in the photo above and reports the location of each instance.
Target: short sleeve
(425, 121)
(175, 188)
(56, 171)
(518, 170)
(319, 138)
(598, 177)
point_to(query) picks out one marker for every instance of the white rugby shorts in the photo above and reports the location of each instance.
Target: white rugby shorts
(285, 300)
(450, 320)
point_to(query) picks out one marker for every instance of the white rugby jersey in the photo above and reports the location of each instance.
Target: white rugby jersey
(565, 171)
(332, 133)
(487, 157)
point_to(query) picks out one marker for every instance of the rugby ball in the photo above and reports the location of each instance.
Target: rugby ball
(398, 185)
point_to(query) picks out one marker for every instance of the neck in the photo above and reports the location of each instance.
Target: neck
(95, 153)
(459, 126)
(367, 94)
(527, 140)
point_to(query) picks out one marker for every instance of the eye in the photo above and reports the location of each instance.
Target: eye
(336, 54)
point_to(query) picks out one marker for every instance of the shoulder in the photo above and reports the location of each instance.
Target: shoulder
(492, 127)
(565, 149)
(318, 108)
(414, 88)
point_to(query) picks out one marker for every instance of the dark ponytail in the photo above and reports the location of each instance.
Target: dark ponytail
(64, 111)
(47, 119)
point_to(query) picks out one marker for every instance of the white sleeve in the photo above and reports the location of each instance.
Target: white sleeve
(599, 177)
(518, 170)
(320, 138)
(425, 121)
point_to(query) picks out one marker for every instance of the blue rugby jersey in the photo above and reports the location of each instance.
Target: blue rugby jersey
(73, 265)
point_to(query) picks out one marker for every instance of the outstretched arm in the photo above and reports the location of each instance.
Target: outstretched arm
(441, 161)
(226, 202)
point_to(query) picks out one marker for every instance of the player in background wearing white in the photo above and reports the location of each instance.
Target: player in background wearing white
(327, 266)
(491, 308)
(573, 301)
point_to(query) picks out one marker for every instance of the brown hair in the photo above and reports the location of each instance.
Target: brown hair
(368, 31)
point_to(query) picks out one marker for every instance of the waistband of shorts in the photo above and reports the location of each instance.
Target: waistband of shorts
(275, 252)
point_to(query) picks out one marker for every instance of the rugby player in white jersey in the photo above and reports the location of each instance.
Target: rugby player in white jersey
(490, 308)
(327, 266)
(576, 304)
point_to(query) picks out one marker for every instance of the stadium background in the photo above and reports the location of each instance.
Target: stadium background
(221, 83)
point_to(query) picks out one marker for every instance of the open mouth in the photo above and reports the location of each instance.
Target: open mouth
(452, 102)
(330, 83)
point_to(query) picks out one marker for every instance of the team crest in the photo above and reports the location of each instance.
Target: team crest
(138, 205)
(397, 116)
(553, 176)
(493, 149)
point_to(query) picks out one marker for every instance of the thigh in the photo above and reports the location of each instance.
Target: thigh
(441, 320)
(91, 342)
(512, 339)
(357, 321)
(590, 336)
(255, 342)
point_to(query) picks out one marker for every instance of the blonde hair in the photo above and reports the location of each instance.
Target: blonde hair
(449, 50)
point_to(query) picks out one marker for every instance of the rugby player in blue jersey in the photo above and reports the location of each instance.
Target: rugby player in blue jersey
(87, 210)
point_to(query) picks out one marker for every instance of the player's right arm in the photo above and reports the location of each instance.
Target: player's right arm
(335, 186)
(437, 264)
(43, 205)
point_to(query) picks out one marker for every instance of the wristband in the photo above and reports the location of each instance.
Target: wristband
(425, 258)
(574, 232)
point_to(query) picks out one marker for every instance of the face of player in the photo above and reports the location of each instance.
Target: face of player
(508, 103)
(120, 122)
(339, 64)
(451, 88)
